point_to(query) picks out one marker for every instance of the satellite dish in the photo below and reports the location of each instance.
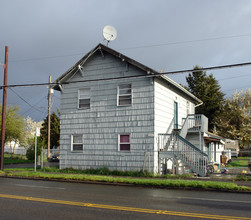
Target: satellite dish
(109, 33)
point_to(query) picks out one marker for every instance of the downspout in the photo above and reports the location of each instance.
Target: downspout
(198, 105)
(200, 142)
(60, 87)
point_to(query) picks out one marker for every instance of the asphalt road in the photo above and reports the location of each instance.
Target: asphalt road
(30, 199)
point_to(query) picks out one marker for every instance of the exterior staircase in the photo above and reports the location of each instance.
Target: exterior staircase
(176, 147)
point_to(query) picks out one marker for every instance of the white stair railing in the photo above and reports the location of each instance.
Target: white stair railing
(177, 145)
(193, 122)
(185, 151)
(191, 155)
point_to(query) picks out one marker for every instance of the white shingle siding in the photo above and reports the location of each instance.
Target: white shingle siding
(150, 113)
(101, 124)
(165, 97)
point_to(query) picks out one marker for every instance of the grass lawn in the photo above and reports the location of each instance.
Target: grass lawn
(239, 162)
(14, 159)
(142, 181)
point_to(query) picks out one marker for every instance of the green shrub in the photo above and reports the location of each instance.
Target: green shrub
(102, 171)
(178, 176)
(242, 178)
(107, 172)
(30, 153)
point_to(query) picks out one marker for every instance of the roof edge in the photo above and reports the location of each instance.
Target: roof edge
(182, 88)
(131, 61)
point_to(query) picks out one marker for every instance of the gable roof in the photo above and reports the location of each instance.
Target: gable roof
(70, 72)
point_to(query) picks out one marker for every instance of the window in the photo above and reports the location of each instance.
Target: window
(84, 98)
(188, 107)
(124, 142)
(124, 95)
(76, 142)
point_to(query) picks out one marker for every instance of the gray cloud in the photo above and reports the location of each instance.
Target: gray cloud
(61, 28)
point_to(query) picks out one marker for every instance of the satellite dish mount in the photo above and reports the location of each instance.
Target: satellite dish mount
(109, 33)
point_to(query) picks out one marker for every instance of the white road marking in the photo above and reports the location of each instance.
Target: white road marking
(215, 200)
(34, 186)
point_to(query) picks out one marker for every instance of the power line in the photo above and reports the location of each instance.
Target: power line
(235, 88)
(25, 100)
(187, 41)
(235, 77)
(34, 112)
(137, 47)
(131, 77)
(35, 105)
(45, 58)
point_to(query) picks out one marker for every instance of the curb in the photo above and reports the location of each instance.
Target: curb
(125, 184)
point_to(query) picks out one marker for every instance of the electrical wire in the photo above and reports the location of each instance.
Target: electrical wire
(235, 77)
(138, 47)
(131, 77)
(35, 105)
(185, 42)
(24, 100)
(41, 115)
(44, 58)
(235, 88)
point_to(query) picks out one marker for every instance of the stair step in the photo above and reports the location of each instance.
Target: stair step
(190, 159)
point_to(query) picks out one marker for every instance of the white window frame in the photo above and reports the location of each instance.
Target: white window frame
(188, 107)
(82, 143)
(119, 95)
(119, 143)
(84, 97)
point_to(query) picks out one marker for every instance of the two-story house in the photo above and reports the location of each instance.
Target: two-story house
(116, 113)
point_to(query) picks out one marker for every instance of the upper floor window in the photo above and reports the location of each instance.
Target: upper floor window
(84, 98)
(124, 95)
(77, 142)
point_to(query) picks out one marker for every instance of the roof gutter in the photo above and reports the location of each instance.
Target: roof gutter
(183, 89)
(198, 105)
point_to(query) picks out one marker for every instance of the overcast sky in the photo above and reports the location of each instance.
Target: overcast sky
(49, 36)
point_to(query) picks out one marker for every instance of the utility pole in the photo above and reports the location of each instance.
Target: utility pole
(49, 117)
(4, 106)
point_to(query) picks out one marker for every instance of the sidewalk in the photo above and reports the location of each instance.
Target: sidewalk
(238, 170)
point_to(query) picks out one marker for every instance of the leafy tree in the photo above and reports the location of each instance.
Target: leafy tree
(235, 118)
(54, 128)
(14, 127)
(31, 126)
(207, 89)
